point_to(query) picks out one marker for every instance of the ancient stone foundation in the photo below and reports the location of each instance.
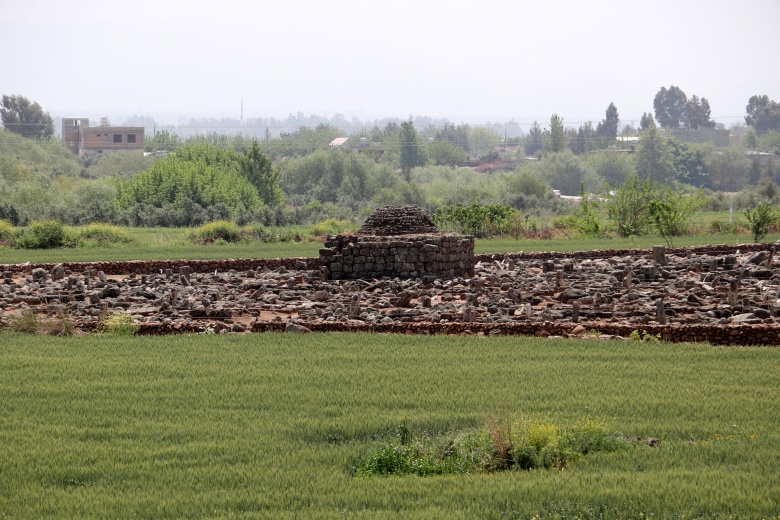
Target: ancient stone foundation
(347, 257)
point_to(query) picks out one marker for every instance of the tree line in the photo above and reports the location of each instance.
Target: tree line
(299, 177)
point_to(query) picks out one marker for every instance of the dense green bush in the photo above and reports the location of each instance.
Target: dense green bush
(46, 234)
(498, 445)
(101, 234)
(225, 230)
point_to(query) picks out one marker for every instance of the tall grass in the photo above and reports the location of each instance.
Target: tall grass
(270, 426)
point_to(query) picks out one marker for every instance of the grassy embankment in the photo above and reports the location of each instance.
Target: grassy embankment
(172, 243)
(270, 425)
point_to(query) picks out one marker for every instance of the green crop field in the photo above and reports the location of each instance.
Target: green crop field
(271, 425)
(171, 244)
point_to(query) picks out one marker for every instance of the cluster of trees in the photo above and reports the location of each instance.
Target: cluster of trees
(673, 109)
(24, 117)
(299, 176)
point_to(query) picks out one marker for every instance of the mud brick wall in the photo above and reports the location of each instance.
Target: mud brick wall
(347, 257)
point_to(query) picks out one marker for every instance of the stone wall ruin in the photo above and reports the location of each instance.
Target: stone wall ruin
(397, 241)
(349, 257)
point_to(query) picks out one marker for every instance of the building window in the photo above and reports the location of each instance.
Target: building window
(130, 138)
(117, 138)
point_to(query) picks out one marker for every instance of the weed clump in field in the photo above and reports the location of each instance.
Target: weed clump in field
(117, 323)
(28, 322)
(224, 230)
(25, 321)
(498, 445)
(100, 234)
(644, 336)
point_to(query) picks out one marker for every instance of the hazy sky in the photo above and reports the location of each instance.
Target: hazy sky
(472, 61)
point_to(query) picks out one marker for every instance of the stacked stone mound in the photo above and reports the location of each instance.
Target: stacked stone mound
(397, 241)
(398, 220)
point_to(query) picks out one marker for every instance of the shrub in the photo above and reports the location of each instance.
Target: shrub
(671, 210)
(254, 231)
(59, 325)
(219, 230)
(627, 206)
(587, 216)
(6, 233)
(117, 323)
(46, 234)
(101, 234)
(718, 226)
(332, 226)
(760, 218)
(475, 219)
(25, 321)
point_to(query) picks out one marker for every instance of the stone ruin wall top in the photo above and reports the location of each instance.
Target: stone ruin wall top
(397, 241)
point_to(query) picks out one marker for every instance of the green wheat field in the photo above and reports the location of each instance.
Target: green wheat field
(271, 426)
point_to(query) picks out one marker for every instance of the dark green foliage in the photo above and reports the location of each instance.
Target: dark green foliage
(535, 141)
(608, 126)
(9, 213)
(646, 122)
(627, 206)
(635, 204)
(611, 166)
(555, 137)
(689, 163)
(763, 114)
(654, 156)
(697, 113)
(445, 153)
(566, 171)
(669, 107)
(456, 135)
(760, 218)
(26, 118)
(331, 176)
(46, 234)
(257, 168)
(201, 175)
(411, 149)
(587, 215)
(662, 213)
(586, 139)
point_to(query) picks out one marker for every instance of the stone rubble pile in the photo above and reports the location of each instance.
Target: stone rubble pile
(728, 298)
(398, 220)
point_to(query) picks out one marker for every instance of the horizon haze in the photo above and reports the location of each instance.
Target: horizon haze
(466, 62)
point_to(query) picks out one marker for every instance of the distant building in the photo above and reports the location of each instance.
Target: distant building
(339, 142)
(82, 139)
(702, 135)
